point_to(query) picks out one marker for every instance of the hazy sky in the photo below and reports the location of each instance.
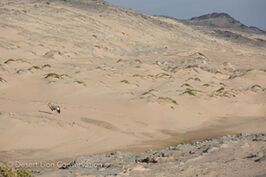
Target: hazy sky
(249, 12)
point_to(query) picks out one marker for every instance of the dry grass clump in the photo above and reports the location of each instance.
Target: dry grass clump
(186, 85)
(191, 92)
(46, 66)
(34, 68)
(222, 92)
(80, 82)
(53, 75)
(2, 80)
(168, 100)
(124, 81)
(8, 61)
(6, 171)
(15, 60)
(162, 75)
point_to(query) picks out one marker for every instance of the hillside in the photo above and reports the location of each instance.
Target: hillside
(224, 26)
(222, 20)
(124, 80)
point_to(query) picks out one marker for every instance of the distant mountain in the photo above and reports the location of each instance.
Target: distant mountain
(226, 27)
(222, 20)
(211, 15)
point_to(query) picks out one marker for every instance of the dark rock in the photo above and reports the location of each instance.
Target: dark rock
(259, 137)
(256, 157)
(260, 157)
(204, 149)
(250, 156)
(68, 165)
(147, 160)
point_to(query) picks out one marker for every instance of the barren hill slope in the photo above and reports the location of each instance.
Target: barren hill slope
(222, 20)
(124, 80)
(225, 27)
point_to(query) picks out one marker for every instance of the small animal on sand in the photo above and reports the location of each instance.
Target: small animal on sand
(54, 107)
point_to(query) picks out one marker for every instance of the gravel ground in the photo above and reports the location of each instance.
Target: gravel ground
(231, 155)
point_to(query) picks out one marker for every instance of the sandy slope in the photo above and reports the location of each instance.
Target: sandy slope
(124, 80)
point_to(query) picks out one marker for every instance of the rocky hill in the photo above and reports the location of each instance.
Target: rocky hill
(222, 20)
(224, 26)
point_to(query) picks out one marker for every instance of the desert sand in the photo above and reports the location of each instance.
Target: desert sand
(124, 80)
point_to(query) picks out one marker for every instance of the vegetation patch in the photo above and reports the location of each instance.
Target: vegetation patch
(119, 60)
(147, 92)
(194, 78)
(17, 60)
(51, 53)
(224, 93)
(189, 142)
(138, 61)
(220, 90)
(80, 82)
(218, 72)
(2, 80)
(168, 99)
(65, 75)
(137, 75)
(54, 75)
(256, 88)
(34, 68)
(186, 85)
(192, 66)
(149, 95)
(162, 75)
(239, 73)
(46, 66)
(191, 92)
(8, 61)
(6, 171)
(206, 85)
(20, 71)
(124, 81)
(223, 84)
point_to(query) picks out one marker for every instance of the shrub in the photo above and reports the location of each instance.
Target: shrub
(53, 75)
(6, 171)
(125, 81)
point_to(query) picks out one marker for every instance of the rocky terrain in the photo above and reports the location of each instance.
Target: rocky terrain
(232, 155)
(124, 81)
(223, 20)
(224, 26)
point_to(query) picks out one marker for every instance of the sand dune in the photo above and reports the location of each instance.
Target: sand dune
(124, 80)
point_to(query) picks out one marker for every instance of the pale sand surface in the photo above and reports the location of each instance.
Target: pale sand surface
(124, 81)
